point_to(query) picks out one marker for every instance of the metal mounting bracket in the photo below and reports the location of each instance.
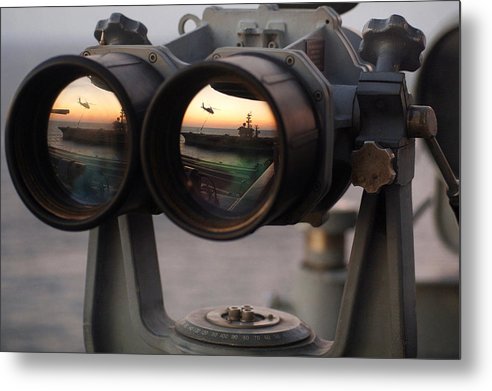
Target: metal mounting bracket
(124, 307)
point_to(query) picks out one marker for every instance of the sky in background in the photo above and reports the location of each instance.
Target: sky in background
(103, 106)
(229, 111)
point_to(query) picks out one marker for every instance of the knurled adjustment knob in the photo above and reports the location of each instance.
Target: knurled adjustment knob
(392, 44)
(120, 30)
(372, 167)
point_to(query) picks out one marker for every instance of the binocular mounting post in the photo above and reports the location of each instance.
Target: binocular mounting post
(124, 306)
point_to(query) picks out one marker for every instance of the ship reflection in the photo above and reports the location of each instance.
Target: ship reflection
(226, 172)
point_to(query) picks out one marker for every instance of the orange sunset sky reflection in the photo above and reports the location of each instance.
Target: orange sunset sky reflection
(229, 111)
(104, 107)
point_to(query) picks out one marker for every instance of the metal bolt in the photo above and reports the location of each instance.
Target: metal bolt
(317, 95)
(86, 53)
(216, 56)
(152, 57)
(289, 60)
(233, 313)
(272, 44)
(247, 315)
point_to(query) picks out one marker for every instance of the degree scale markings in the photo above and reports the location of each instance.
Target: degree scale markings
(286, 329)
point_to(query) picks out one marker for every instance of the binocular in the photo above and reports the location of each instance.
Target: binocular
(255, 117)
(222, 133)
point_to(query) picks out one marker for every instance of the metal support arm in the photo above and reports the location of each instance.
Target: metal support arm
(377, 316)
(124, 309)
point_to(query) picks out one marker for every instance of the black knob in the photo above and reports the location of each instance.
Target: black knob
(120, 30)
(392, 44)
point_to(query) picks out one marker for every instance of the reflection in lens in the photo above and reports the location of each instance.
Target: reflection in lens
(87, 141)
(229, 149)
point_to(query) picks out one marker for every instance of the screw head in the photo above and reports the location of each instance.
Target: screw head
(216, 56)
(289, 60)
(152, 57)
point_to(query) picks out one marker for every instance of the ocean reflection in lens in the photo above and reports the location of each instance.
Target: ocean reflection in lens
(87, 141)
(229, 149)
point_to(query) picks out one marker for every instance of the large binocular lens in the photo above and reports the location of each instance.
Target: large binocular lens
(229, 145)
(229, 166)
(73, 134)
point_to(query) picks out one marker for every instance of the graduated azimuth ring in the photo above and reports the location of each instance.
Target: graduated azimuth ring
(243, 326)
